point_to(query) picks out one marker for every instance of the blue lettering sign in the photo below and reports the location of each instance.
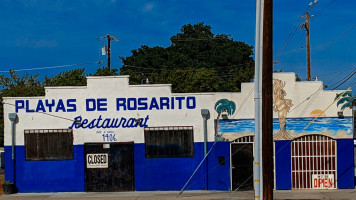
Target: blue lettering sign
(102, 105)
(106, 123)
(60, 106)
(71, 105)
(180, 99)
(142, 104)
(19, 104)
(50, 105)
(28, 107)
(191, 103)
(90, 104)
(131, 104)
(40, 107)
(120, 102)
(164, 101)
(154, 104)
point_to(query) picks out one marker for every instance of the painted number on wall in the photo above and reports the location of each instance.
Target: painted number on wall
(109, 137)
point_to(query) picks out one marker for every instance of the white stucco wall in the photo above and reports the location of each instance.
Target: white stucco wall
(306, 97)
(108, 88)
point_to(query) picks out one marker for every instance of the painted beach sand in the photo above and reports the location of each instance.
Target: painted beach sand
(232, 129)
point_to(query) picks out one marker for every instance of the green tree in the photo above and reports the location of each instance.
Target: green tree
(17, 86)
(74, 77)
(196, 61)
(29, 85)
(105, 72)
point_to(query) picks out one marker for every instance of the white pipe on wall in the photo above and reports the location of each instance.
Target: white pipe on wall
(258, 100)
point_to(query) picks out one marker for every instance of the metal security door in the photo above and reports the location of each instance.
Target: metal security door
(109, 167)
(242, 166)
(314, 162)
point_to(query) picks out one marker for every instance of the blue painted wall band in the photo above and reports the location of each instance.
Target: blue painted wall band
(150, 174)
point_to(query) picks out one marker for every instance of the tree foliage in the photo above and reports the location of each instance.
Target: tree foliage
(27, 85)
(74, 77)
(17, 86)
(196, 61)
(105, 72)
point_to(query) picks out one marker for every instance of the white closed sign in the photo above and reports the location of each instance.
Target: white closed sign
(323, 181)
(97, 160)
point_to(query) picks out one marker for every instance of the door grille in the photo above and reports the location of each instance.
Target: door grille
(312, 155)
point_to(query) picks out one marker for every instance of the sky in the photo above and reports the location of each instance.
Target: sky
(66, 34)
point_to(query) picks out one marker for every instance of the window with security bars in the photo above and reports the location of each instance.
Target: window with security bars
(49, 144)
(169, 142)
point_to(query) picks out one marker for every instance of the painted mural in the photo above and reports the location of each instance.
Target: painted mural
(224, 108)
(344, 100)
(334, 127)
(281, 105)
(289, 127)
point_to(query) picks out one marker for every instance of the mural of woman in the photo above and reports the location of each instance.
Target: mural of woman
(282, 106)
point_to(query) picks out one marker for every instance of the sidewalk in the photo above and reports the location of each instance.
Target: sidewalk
(188, 195)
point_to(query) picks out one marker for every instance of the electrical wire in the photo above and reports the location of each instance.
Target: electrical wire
(245, 100)
(152, 68)
(333, 73)
(322, 9)
(332, 85)
(44, 113)
(288, 39)
(327, 108)
(296, 60)
(344, 81)
(292, 33)
(294, 125)
(334, 40)
(306, 99)
(51, 67)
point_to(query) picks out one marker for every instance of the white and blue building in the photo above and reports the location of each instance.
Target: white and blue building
(112, 136)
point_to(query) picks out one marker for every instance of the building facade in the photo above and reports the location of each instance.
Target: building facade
(112, 136)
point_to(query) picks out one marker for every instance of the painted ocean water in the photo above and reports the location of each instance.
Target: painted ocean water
(332, 126)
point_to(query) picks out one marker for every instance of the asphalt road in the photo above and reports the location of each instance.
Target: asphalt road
(188, 195)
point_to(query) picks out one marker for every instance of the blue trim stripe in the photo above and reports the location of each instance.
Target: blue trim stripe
(150, 174)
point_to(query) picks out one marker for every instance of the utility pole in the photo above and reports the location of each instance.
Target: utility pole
(109, 37)
(263, 159)
(306, 27)
(267, 101)
(257, 161)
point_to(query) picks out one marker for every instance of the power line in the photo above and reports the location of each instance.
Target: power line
(319, 11)
(51, 67)
(344, 80)
(294, 30)
(353, 83)
(340, 79)
(198, 39)
(167, 69)
(334, 40)
(334, 72)
(288, 39)
(56, 116)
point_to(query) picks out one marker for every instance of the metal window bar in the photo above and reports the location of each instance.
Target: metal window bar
(245, 139)
(312, 154)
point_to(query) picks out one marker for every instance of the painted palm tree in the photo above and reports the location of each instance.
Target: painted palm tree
(345, 100)
(224, 105)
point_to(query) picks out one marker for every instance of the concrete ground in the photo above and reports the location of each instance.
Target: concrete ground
(188, 195)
